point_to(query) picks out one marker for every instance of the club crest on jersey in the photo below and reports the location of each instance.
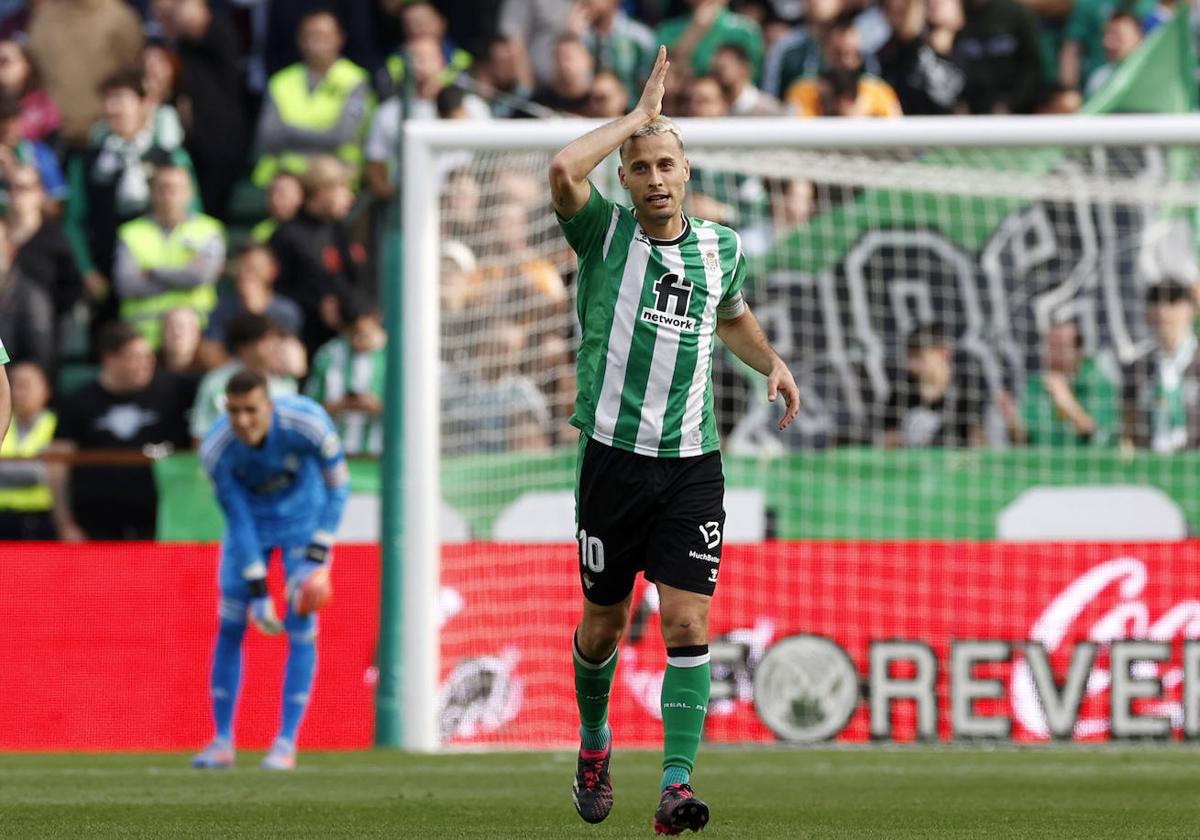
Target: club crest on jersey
(672, 296)
(712, 260)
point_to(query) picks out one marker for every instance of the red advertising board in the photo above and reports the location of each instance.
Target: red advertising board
(510, 642)
(108, 647)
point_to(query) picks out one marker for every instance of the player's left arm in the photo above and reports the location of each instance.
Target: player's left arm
(745, 337)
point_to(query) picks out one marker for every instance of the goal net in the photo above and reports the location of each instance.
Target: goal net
(977, 527)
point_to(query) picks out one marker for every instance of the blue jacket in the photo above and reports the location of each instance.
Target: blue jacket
(283, 492)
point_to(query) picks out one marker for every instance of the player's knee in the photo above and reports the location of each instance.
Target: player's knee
(599, 634)
(685, 625)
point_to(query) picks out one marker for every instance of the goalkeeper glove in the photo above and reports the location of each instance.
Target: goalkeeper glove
(262, 609)
(262, 616)
(316, 557)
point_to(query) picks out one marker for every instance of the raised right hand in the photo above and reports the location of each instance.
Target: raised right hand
(656, 87)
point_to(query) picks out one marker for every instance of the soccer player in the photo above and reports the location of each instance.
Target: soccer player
(282, 482)
(654, 287)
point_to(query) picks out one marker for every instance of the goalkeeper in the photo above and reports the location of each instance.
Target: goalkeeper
(654, 287)
(280, 476)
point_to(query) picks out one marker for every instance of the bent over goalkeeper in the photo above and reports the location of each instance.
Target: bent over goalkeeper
(654, 287)
(280, 476)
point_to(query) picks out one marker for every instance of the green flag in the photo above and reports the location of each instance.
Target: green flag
(1159, 78)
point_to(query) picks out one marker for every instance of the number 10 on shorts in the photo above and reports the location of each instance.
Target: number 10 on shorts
(591, 552)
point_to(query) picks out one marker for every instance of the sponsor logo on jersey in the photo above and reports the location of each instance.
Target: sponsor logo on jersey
(699, 555)
(672, 296)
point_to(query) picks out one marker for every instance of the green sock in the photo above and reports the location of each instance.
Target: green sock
(593, 681)
(685, 691)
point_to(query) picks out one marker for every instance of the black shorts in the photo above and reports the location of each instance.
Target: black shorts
(661, 516)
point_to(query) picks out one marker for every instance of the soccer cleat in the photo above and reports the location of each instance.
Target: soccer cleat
(281, 757)
(592, 790)
(216, 756)
(679, 809)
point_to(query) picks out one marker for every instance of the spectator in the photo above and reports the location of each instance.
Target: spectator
(1069, 403)
(798, 56)
(706, 99)
(694, 38)
(733, 71)
(940, 402)
(348, 379)
(180, 350)
(255, 271)
(430, 76)
(16, 151)
(210, 95)
(1161, 391)
(41, 252)
(516, 282)
(109, 182)
(129, 407)
(421, 19)
(255, 344)
(320, 105)
(504, 79)
(617, 42)
(75, 45)
(26, 313)
(533, 26)
(169, 258)
(572, 81)
(843, 89)
(321, 264)
(160, 75)
(428, 81)
(502, 410)
(285, 197)
(997, 48)
(608, 98)
(25, 499)
(792, 202)
(40, 118)
(1082, 52)
(917, 59)
(1122, 36)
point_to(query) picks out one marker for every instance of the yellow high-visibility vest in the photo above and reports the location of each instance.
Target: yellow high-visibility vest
(318, 109)
(154, 248)
(35, 498)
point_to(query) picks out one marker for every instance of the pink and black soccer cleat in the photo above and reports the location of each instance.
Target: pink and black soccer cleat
(679, 809)
(592, 791)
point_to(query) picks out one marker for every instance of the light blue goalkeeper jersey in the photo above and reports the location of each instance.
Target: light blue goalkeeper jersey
(282, 492)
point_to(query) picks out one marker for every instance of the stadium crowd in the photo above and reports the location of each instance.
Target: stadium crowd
(193, 187)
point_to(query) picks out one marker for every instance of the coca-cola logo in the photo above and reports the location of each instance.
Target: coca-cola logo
(1117, 587)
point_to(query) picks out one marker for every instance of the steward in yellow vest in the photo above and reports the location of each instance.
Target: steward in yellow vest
(25, 498)
(321, 105)
(168, 259)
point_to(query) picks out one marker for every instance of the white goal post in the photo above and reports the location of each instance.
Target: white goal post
(425, 141)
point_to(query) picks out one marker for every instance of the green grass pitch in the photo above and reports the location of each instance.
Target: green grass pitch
(829, 793)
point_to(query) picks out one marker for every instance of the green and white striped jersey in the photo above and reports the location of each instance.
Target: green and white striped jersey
(338, 371)
(648, 310)
(3, 354)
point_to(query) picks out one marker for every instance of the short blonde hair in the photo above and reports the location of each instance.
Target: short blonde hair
(658, 125)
